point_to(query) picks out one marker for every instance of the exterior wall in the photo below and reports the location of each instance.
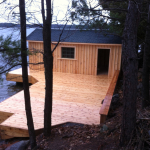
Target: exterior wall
(85, 61)
(37, 57)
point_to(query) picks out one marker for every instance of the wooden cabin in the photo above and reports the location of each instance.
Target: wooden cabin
(86, 52)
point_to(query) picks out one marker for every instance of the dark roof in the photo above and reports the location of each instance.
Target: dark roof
(8, 25)
(12, 25)
(56, 26)
(77, 36)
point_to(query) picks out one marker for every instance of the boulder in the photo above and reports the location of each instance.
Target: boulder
(22, 145)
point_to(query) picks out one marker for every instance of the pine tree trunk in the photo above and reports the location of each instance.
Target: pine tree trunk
(130, 71)
(25, 74)
(48, 65)
(146, 60)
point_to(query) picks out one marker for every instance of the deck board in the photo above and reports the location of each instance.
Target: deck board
(76, 98)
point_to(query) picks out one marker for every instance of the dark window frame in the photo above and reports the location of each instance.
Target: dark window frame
(68, 52)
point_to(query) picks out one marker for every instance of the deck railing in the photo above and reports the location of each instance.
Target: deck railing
(107, 100)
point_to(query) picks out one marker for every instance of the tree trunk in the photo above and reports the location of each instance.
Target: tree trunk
(130, 71)
(146, 60)
(48, 65)
(25, 74)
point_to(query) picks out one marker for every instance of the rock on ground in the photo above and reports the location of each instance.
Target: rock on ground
(22, 145)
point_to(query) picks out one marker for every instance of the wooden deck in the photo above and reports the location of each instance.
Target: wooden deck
(76, 98)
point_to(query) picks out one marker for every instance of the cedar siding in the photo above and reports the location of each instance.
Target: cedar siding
(85, 61)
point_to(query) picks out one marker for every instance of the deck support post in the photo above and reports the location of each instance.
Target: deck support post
(102, 118)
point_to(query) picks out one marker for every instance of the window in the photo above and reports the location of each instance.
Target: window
(68, 52)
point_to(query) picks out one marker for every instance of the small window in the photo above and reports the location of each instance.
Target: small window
(67, 52)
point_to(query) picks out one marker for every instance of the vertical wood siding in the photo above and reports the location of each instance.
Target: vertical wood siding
(85, 62)
(36, 57)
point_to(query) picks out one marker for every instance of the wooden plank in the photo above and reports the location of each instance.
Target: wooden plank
(4, 136)
(55, 59)
(93, 62)
(116, 58)
(83, 49)
(102, 118)
(113, 62)
(82, 52)
(107, 101)
(59, 56)
(78, 59)
(90, 60)
(13, 132)
(12, 76)
(119, 59)
(85, 56)
(4, 116)
(76, 62)
(30, 56)
(71, 68)
(110, 63)
(96, 60)
(62, 66)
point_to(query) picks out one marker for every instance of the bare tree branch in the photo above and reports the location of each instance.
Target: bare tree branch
(59, 37)
(107, 9)
(10, 68)
(3, 1)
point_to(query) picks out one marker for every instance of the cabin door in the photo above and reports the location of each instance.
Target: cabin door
(103, 61)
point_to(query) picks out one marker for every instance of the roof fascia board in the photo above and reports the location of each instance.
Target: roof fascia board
(77, 43)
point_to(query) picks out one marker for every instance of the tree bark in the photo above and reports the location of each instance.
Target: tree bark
(146, 60)
(25, 74)
(130, 71)
(48, 65)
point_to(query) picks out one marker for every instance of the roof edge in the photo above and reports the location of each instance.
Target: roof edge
(78, 43)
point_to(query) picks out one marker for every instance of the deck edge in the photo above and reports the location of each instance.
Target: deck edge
(107, 100)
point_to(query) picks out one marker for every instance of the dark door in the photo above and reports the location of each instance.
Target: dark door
(103, 61)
